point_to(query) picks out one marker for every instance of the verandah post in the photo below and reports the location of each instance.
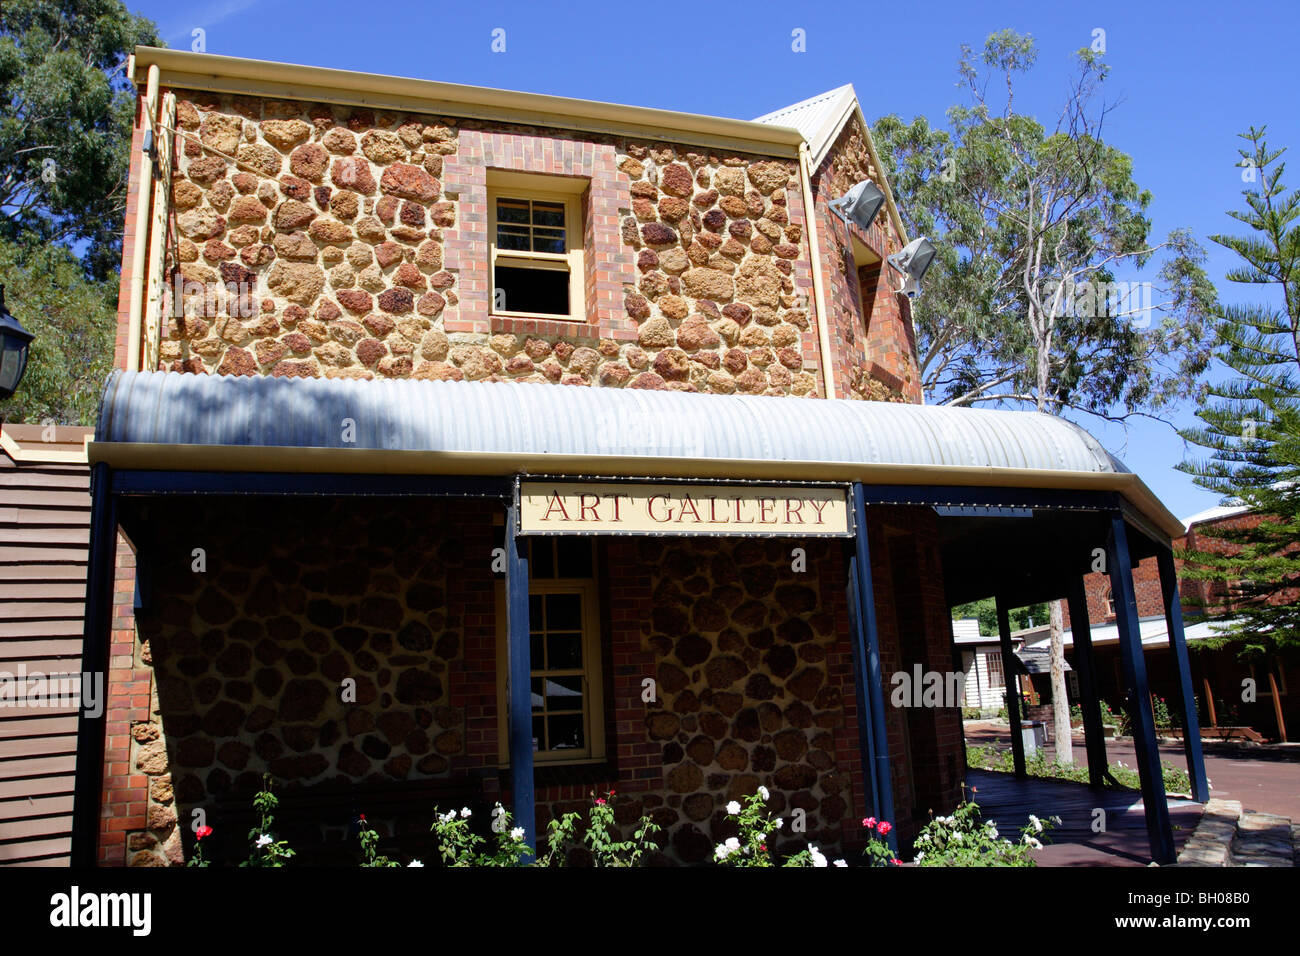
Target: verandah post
(1011, 681)
(1094, 739)
(519, 699)
(1159, 830)
(1178, 645)
(866, 647)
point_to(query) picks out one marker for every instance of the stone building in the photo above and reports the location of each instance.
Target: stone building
(457, 438)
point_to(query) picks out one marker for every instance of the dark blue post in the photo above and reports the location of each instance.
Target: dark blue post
(1159, 831)
(1094, 736)
(867, 651)
(1011, 680)
(861, 678)
(96, 638)
(1178, 645)
(520, 693)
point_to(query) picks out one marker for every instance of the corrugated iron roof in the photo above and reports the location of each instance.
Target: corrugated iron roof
(819, 118)
(535, 418)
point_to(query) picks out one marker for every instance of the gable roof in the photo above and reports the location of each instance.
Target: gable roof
(821, 119)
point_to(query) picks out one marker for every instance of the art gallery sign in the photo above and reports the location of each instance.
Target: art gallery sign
(666, 508)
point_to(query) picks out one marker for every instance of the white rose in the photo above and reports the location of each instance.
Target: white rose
(840, 863)
(763, 792)
(414, 863)
(517, 833)
(733, 808)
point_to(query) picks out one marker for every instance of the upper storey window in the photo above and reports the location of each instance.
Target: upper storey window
(536, 248)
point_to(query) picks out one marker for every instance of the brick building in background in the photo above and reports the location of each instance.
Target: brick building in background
(336, 447)
(1218, 674)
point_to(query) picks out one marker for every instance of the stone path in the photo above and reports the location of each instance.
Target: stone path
(1225, 836)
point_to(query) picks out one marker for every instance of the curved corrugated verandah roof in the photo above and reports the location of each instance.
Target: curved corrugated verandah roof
(167, 408)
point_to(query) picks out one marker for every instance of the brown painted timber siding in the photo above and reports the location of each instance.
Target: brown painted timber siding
(44, 532)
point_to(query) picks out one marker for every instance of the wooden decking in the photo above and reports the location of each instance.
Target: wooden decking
(1008, 801)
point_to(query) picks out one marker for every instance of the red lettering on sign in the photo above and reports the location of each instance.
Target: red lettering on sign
(556, 502)
(819, 505)
(737, 500)
(713, 511)
(765, 507)
(583, 507)
(650, 508)
(792, 508)
(616, 496)
(688, 502)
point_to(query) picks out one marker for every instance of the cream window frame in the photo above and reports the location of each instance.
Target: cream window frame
(593, 679)
(520, 187)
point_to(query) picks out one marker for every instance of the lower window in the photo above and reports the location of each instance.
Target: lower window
(566, 681)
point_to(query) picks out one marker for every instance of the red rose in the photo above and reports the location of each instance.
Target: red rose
(885, 828)
(869, 823)
(202, 832)
(896, 861)
(600, 801)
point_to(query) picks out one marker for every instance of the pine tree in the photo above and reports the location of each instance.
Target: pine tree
(1251, 422)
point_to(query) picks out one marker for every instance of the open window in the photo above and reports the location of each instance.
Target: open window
(535, 234)
(567, 682)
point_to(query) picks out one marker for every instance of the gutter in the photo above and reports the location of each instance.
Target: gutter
(815, 260)
(256, 458)
(140, 240)
(228, 74)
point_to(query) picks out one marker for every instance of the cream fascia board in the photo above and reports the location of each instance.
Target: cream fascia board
(34, 452)
(257, 458)
(227, 74)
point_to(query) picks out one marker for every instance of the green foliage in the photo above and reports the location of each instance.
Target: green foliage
(66, 115)
(1037, 765)
(370, 855)
(264, 849)
(963, 839)
(987, 612)
(1032, 224)
(755, 825)
(73, 319)
(461, 847)
(600, 839)
(1251, 424)
(198, 859)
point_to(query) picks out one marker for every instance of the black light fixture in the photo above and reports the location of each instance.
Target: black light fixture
(860, 204)
(14, 341)
(913, 263)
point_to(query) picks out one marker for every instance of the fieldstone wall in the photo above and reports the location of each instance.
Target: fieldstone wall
(357, 241)
(751, 673)
(250, 656)
(872, 337)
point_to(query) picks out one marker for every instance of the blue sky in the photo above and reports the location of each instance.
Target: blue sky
(1189, 77)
